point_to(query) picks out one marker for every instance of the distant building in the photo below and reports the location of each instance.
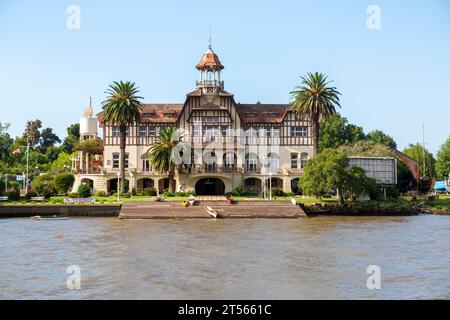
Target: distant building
(382, 169)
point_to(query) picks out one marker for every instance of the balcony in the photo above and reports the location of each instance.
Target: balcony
(210, 83)
(212, 169)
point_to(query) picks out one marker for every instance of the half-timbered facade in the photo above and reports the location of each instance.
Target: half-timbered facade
(232, 144)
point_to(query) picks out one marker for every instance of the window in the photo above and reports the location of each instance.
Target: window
(224, 131)
(211, 120)
(169, 115)
(146, 165)
(152, 131)
(116, 131)
(116, 161)
(303, 160)
(229, 159)
(273, 162)
(294, 161)
(142, 131)
(196, 131)
(299, 131)
(251, 161)
(150, 115)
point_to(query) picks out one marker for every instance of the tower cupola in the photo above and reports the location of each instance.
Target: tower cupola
(210, 68)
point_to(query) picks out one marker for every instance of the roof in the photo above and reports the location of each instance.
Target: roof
(210, 62)
(157, 113)
(262, 113)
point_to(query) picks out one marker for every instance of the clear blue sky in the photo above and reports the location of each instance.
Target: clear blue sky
(392, 79)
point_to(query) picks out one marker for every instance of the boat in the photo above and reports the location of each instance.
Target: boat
(213, 213)
(49, 218)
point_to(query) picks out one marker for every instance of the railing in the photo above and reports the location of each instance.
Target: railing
(88, 171)
(211, 83)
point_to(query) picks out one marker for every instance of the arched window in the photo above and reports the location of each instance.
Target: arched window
(251, 162)
(273, 163)
(229, 160)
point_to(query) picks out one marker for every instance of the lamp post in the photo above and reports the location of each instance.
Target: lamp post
(118, 186)
(270, 186)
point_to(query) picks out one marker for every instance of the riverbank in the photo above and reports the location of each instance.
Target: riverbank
(26, 211)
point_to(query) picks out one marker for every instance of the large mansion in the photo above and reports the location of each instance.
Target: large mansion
(233, 144)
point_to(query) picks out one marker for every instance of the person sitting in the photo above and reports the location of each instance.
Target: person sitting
(230, 199)
(192, 200)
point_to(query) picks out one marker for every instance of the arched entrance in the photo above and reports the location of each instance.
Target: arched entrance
(210, 187)
(113, 185)
(294, 186)
(145, 183)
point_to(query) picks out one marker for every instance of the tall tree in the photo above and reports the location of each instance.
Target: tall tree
(72, 138)
(5, 142)
(48, 139)
(32, 133)
(161, 154)
(423, 157)
(380, 137)
(443, 161)
(336, 131)
(315, 100)
(122, 108)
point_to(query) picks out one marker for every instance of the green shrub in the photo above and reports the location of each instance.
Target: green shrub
(64, 182)
(126, 195)
(30, 195)
(150, 192)
(14, 195)
(44, 185)
(84, 191)
(277, 192)
(168, 194)
(73, 195)
(101, 194)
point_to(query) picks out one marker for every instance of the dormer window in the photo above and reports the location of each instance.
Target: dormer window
(150, 115)
(251, 114)
(169, 115)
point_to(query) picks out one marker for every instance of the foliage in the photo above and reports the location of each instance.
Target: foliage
(277, 192)
(64, 182)
(418, 153)
(101, 194)
(44, 185)
(91, 143)
(62, 163)
(380, 137)
(14, 195)
(73, 136)
(162, 152)
(443, 161)
(330, 171)
(316, 100)
(122, 107)
(73, 195)
(84, 191)
(47, 139)
(32, 133)
(336, 131)
(150, 192)
(5, 142)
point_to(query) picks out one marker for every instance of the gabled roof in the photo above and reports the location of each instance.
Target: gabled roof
(156, 113)
(262, 113)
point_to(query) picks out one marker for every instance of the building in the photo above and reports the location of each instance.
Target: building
(382, 169)
(232, 144)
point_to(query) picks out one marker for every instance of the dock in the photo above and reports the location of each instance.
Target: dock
(241, 210)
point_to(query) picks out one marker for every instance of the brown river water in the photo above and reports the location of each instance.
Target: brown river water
(317, 258)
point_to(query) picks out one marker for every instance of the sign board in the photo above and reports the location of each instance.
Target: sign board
(78, 200)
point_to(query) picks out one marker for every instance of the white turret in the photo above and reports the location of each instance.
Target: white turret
(88, 124)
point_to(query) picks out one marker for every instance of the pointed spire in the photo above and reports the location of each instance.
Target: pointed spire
(210, 38)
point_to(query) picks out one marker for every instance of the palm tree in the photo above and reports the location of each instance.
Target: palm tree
(316, 100)
(161, 154)
(122, 108)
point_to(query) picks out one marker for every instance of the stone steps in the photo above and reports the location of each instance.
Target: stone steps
(244, 209)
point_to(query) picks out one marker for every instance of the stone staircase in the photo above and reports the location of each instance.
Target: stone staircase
(243, 209)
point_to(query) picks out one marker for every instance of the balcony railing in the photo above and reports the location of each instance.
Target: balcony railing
(211, 83)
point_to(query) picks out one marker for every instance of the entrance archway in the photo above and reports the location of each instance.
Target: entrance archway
(210, 187)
